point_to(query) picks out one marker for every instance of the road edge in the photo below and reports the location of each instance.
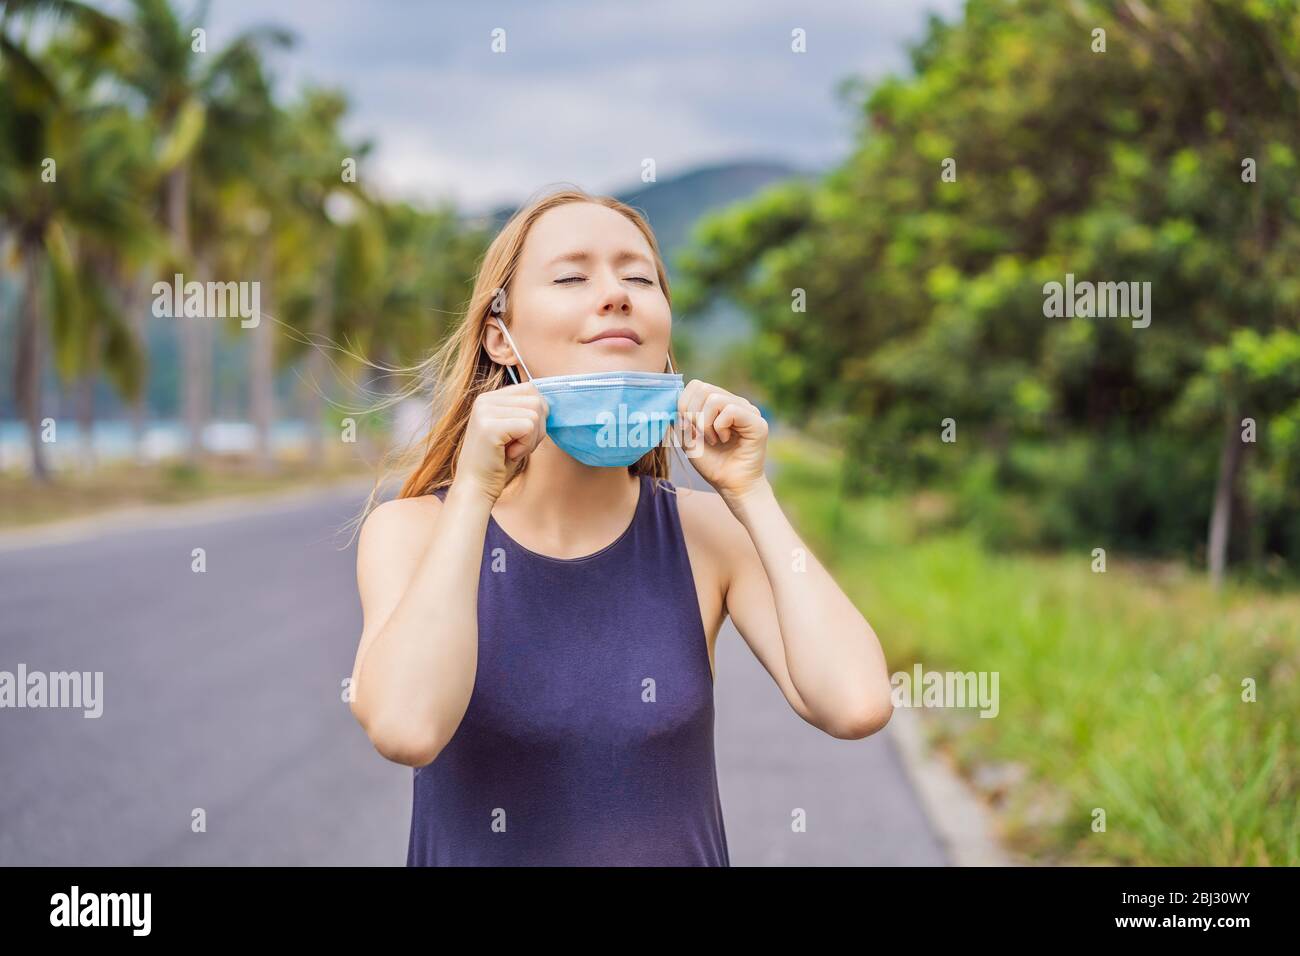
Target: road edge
(136, 517)
(965, 826)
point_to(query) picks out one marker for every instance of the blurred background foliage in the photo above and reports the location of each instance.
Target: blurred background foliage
(862, 308)
(130, 150)
(925, 297)
(869, 304)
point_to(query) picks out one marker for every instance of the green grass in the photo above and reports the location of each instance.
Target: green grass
(1120, 691)
(25, 503)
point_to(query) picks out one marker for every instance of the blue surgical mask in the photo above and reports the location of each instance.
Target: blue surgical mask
(608, 419)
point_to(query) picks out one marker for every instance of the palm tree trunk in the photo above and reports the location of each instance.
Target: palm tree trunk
(316, 368)
(1230, 458)
(193, 386)
(194, 383)
(29, 356)
(86, 401)
(138, 315)
(262, 373)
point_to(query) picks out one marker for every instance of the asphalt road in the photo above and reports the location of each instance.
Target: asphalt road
(222, 692)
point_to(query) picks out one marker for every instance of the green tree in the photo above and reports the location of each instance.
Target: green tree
(65, 175)
(187, 89)
(1017, 153)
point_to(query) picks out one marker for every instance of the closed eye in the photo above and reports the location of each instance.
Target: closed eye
(567, 279)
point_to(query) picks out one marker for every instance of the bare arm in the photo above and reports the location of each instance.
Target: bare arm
(418, 656)
(418, 564)
(806, 632)
(812, 639)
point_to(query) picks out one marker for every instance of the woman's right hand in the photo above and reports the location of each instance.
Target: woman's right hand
(505, 424)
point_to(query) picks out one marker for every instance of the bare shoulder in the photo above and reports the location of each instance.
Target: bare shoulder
(709, 525)
(396, 530)
(703, 509)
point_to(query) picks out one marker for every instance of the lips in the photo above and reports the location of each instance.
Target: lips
(623, 333)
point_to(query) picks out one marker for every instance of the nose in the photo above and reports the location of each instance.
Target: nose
(615, 298)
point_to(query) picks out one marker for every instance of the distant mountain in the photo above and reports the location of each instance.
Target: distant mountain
(673, 206)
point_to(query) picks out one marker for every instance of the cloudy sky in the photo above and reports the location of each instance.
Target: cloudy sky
(585, 90)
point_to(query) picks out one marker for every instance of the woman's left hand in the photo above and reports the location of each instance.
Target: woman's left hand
(724, 436)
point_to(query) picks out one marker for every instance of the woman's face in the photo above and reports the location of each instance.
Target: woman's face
(585, 272)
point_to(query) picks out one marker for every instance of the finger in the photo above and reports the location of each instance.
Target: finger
(725, 420)
(685, 436)
(740, 417)
(506, 430)
(683, 399)
(501, 412)
(527, 390)
(693, 446)
(523, 446)
(751, 423)
(712, 406)
(515, 402)
(694, 407)
(693, 397)
(527, 432)
(541, 425)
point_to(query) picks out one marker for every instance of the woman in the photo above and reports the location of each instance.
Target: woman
(540, 611)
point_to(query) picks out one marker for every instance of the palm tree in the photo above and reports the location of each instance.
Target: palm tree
(109, 237)
(46, 130)
(403, 274)
(318, 201)
(238, 181)
(185, 90)
(111, 164)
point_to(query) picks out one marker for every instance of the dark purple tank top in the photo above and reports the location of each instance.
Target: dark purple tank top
(588, 740)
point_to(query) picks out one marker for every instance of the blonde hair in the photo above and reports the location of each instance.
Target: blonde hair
(460, 369)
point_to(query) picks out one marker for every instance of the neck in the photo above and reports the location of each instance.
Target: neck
(563, 497)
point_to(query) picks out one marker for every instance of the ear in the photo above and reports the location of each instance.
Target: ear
(496, 346)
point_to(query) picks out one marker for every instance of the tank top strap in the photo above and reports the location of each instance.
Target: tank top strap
(662, 514)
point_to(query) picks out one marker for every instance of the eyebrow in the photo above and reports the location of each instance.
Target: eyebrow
(582, 255)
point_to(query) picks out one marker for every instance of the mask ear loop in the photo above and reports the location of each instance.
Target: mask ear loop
(510, 368)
